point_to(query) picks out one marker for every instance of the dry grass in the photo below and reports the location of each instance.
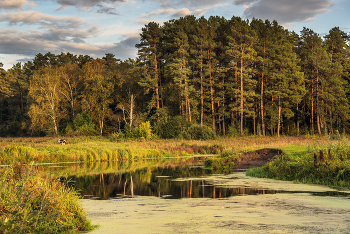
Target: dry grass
(91, 149)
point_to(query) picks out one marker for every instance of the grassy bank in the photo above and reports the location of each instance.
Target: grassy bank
(47, 150)
(30, 203)
(298, 164)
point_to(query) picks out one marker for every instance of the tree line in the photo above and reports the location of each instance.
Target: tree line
(234, 76)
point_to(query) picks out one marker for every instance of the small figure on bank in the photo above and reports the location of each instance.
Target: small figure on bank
(62, 142)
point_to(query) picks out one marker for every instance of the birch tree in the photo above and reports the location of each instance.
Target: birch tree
(45, 111)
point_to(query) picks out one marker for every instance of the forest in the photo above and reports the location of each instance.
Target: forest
(235, 77)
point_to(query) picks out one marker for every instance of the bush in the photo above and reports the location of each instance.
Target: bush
(33, 204)
(232, 131)
(82, 125)
(144, 131)
(170, 127)
(198, 132)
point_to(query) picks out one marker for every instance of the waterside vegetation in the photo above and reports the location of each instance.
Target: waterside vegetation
(33, 203)
(319, 163)
(47, 150)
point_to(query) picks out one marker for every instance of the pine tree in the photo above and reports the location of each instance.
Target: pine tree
(149, 54)
(265, 50)
(325, 84)
(288, 88)
(241, 39)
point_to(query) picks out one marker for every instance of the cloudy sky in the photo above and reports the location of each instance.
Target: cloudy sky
(97, 27)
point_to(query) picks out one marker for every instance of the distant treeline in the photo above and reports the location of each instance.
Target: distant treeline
(233, 76)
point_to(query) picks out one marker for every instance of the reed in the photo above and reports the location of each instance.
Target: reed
(30, 203)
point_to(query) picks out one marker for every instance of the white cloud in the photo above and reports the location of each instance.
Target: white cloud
(190, 3)
(132, 35)
(286, 11)
(159, 12)
(35, 17)
(14, 4)
(182, 12)
(146, 21)
(200, 12)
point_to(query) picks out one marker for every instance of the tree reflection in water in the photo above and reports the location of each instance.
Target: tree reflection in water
(157, 182)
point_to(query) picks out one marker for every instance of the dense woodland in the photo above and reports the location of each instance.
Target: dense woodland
(234, 76)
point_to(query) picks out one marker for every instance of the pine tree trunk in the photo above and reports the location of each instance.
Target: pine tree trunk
(156, 78)
(262, 97)
(312, 112)
(331, 121)
(279, 117)
(241, 106)
(223, 107)
(297, 116)
(318, 124)
(317, 106)
(212, 98)
(131, 109)
(202, 95)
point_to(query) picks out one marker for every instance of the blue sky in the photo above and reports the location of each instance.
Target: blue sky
(97, 27)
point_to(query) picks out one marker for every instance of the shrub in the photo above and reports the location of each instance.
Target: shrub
(231, 131)
(33, 204)
(82, 125)
(144, 131)
(170, 127)
(198, 132)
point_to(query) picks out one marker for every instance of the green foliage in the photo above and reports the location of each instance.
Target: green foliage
(144, 131)
(300, 167)
(198, 132)
(30, 203)
(232, 131)
(81, 126)
(223, 164)
(170, 127)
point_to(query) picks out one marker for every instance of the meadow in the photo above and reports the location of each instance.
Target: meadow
(323, 162)
(82, 149)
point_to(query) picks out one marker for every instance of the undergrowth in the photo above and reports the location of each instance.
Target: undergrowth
(30, 203)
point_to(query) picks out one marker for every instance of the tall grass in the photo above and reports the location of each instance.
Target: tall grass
(33, 204)
(45, 150)
(300, 165)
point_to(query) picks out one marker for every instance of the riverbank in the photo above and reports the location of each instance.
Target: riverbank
(91, 149)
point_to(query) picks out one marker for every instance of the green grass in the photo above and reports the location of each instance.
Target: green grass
(297, 164)
(30, 203)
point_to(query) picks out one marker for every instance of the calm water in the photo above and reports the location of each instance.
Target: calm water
(171, 183)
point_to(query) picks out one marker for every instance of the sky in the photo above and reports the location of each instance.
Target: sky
(97, 27)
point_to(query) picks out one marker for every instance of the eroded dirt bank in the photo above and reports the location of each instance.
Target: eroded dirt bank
(256, 158)
(271, 213)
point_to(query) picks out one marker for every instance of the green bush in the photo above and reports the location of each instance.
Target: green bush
(30, 203)
(144, 131)
(82, 126)
(198, 132)
(170, 127)
(232, 131)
